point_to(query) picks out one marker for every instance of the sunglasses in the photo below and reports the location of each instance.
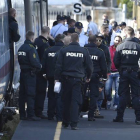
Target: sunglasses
(98, 40)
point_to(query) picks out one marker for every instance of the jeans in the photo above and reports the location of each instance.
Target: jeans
(113, 78)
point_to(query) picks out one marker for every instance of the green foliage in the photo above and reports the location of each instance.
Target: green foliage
(129, 4)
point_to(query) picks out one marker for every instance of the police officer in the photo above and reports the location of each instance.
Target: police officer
(70, 66)
(100, 71)
(59, 28)
(92, 27)
(41, 44)
(48, 65)
(29, 65)
(13, 26)
(126, 60)
(83, 39)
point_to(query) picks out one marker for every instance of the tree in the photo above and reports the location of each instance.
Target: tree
(129, 7)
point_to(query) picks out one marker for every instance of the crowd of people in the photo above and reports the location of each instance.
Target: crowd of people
(82, 61)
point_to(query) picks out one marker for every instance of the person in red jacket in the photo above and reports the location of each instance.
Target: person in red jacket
(113, 77)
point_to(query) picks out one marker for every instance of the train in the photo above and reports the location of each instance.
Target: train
(31, 15)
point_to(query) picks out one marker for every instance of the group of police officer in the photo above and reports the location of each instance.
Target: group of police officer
(77, 61)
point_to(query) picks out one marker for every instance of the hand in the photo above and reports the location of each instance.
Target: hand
(44, 76)
(56, 81)
(100, 89)
(87, 80)
(108, 75)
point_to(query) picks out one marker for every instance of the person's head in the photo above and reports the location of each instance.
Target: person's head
(104, 17)
(61, 19)
(65, 33)
(71, 31)
(30, 36)
(114, 26)
(78, 27)
(111, 21)
(99, 39)
(122, 25)
(129, 32)
(89, 18)
(67, 40)
(68, 18)
(117, 40)
(104, 30)
(12, 12)
(71, 23)
(45, 31)
(74, 37)
(138, 33)
(60, 38)
(92, 39)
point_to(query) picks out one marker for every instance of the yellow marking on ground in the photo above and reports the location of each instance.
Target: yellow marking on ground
(58, 131)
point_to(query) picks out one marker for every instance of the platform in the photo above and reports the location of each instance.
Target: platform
(101, 129)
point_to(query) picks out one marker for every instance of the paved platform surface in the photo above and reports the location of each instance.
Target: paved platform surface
(101, 129)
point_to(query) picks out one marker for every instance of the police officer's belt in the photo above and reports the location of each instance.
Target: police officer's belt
(70, 77)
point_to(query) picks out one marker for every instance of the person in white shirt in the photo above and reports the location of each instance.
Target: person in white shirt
(92, 27)
(114, 34)
(122, 26)
(59, 28)
(83, 39)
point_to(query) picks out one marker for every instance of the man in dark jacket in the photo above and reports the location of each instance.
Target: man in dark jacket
(29, 64)
(70, 66)
(13, 26)
(100, 71)
(48, 66)
(41, 83)
(126, 61)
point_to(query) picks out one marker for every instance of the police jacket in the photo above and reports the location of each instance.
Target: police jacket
(13, 30)
(28, 57)
(127, 54)
(98, 59)
(48, 61)
(72, 61)
(106, 41)
(41, 45)
(107, 56)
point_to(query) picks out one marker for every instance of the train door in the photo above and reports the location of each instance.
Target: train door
(4, 49)
(20, 17)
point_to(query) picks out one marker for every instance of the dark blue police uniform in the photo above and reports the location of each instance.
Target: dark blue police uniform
(126, 60)
(29, 65)
(48, 66)
(41, 83)
(100, 71)
(70, 67)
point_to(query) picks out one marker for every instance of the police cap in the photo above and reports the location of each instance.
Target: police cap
(79, 25)
(60, 18)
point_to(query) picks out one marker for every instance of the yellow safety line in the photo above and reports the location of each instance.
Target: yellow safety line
(58, 131)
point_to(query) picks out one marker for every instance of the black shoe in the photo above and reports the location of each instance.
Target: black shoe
(42, 116)
(34, 118)
(74, 128)
(137, 122)
(65, 125)
(23, 118)
(118, 120)
(91, 119)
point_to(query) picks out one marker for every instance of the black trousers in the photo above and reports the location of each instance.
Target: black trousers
(72, 99)
(27, 94)
(126, 80)
(41, 85)
(94, 93)
(51, 98)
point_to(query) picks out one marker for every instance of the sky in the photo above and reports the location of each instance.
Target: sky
(61, 2)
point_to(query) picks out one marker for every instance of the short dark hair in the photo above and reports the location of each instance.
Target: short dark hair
(45, 29)
(29, 35)
(71, 21)
(118, 36)
(92, 39)
(129, 30)
(59, 37)
(74, 37)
